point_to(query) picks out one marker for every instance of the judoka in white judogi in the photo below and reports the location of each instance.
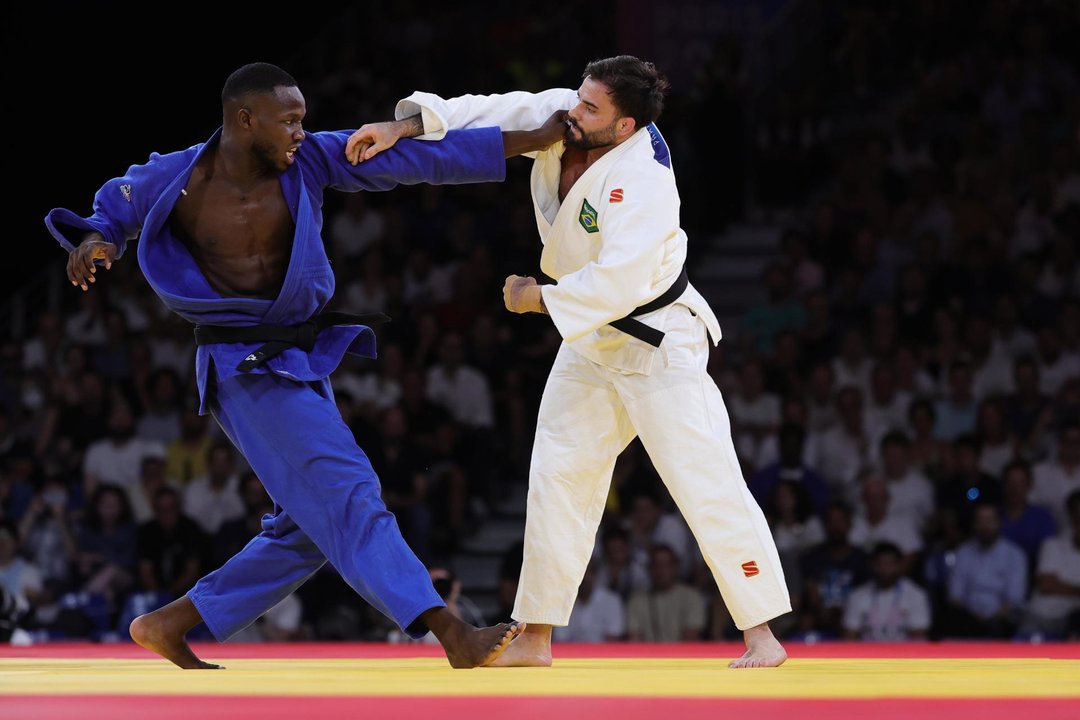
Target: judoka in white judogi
(613, 244)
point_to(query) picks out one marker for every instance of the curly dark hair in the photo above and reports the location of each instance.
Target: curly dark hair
(636, 88)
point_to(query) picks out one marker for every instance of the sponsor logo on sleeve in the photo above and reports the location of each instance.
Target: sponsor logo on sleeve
(750, 569)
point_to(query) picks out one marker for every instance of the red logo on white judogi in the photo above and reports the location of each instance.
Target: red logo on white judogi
(750, 569)
(616, 195)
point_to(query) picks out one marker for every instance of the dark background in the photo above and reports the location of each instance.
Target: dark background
(860, 186)
(98, 86)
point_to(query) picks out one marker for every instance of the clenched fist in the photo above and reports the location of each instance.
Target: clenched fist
(522, 295)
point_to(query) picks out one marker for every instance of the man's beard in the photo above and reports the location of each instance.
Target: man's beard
(590, 141)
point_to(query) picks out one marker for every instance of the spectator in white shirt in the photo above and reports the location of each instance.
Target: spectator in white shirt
(164, 408)
(794, 525)
(117, 459)
(846, 449)
(992, 373)
(997, 447)
(368, 293)
(356, 228)
(377, 389)
(851, 366)
(1055, 602)
(928, 453)
(887, 408)
(598, 614)
(88, 323)
(875, 523)
(214, 499)
(1056, 599)
(755, 414)
(281, 623)
(20, 578)
(459, 388)
(891, 607)
(1055, 479)
(620, 571)
(44, 351)
(650, 526)
(1010, 338)
(910, 493)
(1055, 365)
(670, 611)
(821, 405)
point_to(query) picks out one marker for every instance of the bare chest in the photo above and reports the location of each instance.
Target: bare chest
(573, 167)
(215, 218)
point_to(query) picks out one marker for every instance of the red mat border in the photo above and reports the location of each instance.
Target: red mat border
(128, 707)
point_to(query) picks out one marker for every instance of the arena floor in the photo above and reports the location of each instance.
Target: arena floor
(621, 682)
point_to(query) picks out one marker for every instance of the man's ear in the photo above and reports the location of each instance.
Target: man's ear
(625, 127)
(244, 118)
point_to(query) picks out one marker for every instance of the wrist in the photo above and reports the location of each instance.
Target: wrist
(409, 127)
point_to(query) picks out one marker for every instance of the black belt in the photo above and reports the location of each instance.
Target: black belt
(640, 330)
(279, 338)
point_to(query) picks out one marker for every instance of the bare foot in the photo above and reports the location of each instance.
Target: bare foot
(163, 631)
(531, 649)
(470, 647)
(762, 649)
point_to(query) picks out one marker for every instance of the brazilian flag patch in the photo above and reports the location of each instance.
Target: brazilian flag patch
(588, 218)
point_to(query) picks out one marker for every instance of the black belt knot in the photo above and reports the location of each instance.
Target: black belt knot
(279, 338)
(640, 330)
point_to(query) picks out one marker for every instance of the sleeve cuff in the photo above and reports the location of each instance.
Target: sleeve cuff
(69, 229)
(435, 126)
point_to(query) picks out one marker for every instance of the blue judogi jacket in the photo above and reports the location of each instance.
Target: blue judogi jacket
(139, 204)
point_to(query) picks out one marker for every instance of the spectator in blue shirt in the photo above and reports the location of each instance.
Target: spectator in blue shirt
(989, 582)
(1025, 524)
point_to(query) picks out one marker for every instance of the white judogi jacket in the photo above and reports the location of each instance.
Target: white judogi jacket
(612, 245)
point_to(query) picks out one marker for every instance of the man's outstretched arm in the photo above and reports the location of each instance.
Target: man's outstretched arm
(373, 138)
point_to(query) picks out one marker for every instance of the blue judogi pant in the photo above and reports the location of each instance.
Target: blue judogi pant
(328, 508)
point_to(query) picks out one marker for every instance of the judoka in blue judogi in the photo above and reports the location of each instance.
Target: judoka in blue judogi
(275, 401)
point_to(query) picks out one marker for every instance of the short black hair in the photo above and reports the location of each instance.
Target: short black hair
(258, 77)
(614, 532)
(660, 549)
(636, 87)
(886, 548)
(839, 506)
(895, 437)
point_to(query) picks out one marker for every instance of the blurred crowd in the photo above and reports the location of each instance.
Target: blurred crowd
(904, 398)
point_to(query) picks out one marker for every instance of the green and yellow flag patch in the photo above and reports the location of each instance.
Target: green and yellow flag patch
(588, 218)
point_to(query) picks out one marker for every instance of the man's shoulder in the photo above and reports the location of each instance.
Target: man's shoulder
(861, 594)
(687, 594)
(639, 166)
(910, 588)
(1010, 550)
(1060, 545)
(637, 602)
(607, 598)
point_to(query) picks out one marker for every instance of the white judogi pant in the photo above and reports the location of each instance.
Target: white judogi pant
(588, 415)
